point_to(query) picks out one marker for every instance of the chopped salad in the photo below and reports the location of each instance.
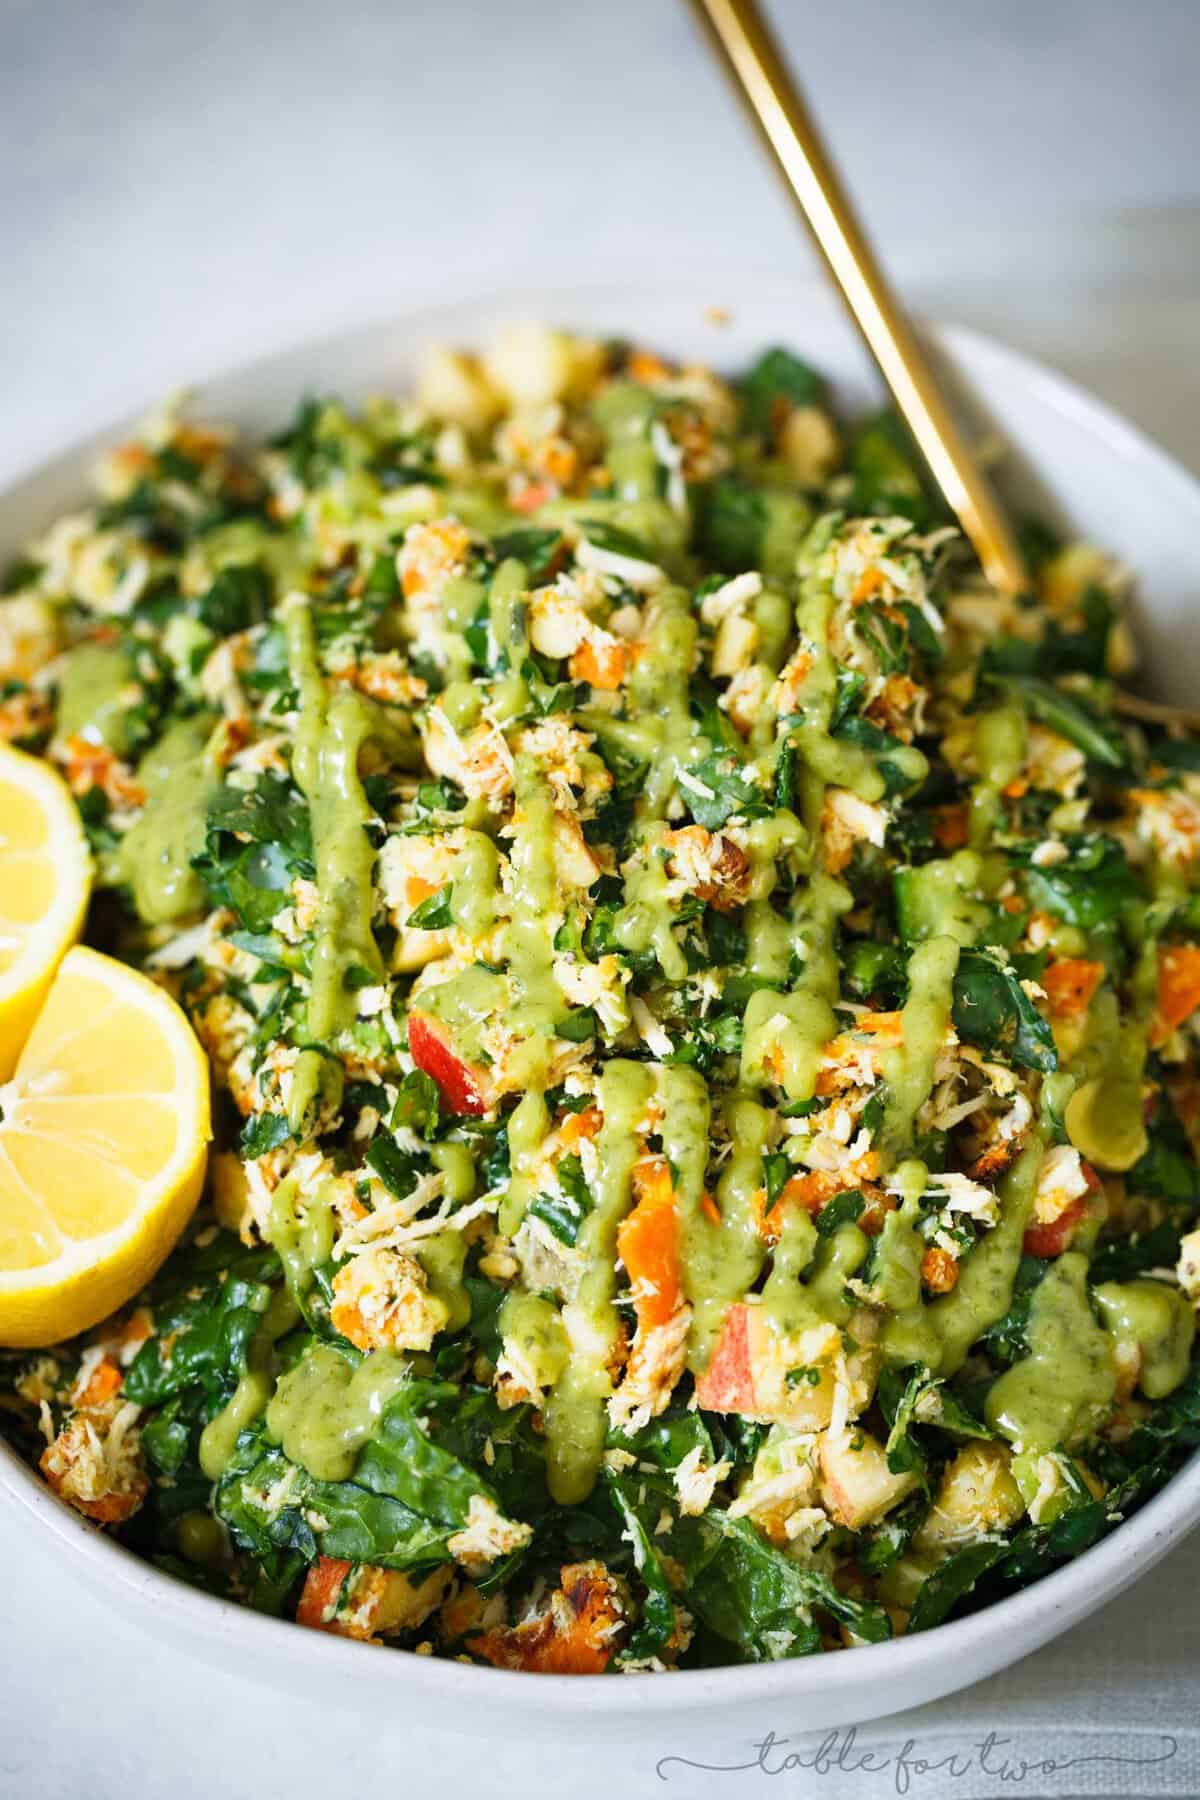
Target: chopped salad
(701, 998)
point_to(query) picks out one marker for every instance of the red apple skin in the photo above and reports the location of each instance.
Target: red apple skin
(1052, 1239)
(727, 1385)
(462, 1087)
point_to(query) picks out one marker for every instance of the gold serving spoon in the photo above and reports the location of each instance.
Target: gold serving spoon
(760, 75)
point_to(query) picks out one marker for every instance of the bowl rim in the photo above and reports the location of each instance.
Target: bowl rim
(1030, 1617)
(756, 288)
(978, 1644)
(1120, 436)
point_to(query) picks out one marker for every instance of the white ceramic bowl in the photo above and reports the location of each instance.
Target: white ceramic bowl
(1079, 464)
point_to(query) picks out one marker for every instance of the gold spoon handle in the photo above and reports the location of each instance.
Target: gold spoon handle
(762, 78)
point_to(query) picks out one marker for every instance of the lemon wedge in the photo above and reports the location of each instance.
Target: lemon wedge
(45, 879)
(103, 1141)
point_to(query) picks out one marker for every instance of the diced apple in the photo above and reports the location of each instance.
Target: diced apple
(977, 1495)
(727, 1385)
(1053, 1237)
(790, 1379)
(464, 1086)
(856, 1484)
(453, 386)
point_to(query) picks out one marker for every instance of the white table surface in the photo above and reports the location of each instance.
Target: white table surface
(184, 185)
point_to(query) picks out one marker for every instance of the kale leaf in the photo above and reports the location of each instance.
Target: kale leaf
(1006, 1338)
(1091, 887)
(731, 789)
(922, 1400)
(1100, 739)
(254, 878)
(565, 1211)
(942, 1591)
(777, 377)
(755, 1597)
(410, 1491)
(1057, 652)
(734, 525)
(240, 596)
(537, 547)
(657, 1621)
(993, 1012)
(886, 472)
(667, 1440)
(434, 913)
(207, 1304)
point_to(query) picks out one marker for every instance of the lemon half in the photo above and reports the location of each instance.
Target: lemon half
(103, 1142)
(45, 880)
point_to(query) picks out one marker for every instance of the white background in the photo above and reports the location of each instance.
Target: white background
(182, 184)
(186, 180)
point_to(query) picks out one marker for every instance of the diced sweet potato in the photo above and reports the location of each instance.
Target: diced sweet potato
(359, 1600)
(1178, 989)
(809, 1190)
(580, 1126)
(321, 1593)
(95, 1463)
(814, 1188)
(603, 665)
(939, 1270)
(102, 1384)
(576, 1635)
(89, 766)
(950, 826)
(1070, 984)
(648, 1244)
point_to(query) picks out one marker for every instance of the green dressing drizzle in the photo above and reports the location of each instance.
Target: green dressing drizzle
(326, 1408)
(940, 1332)
(94, 693)
(254, 1389)
(1066, 1383)
(574, 1414)
(330, 734)
(180, 776)
(1156, 1320)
